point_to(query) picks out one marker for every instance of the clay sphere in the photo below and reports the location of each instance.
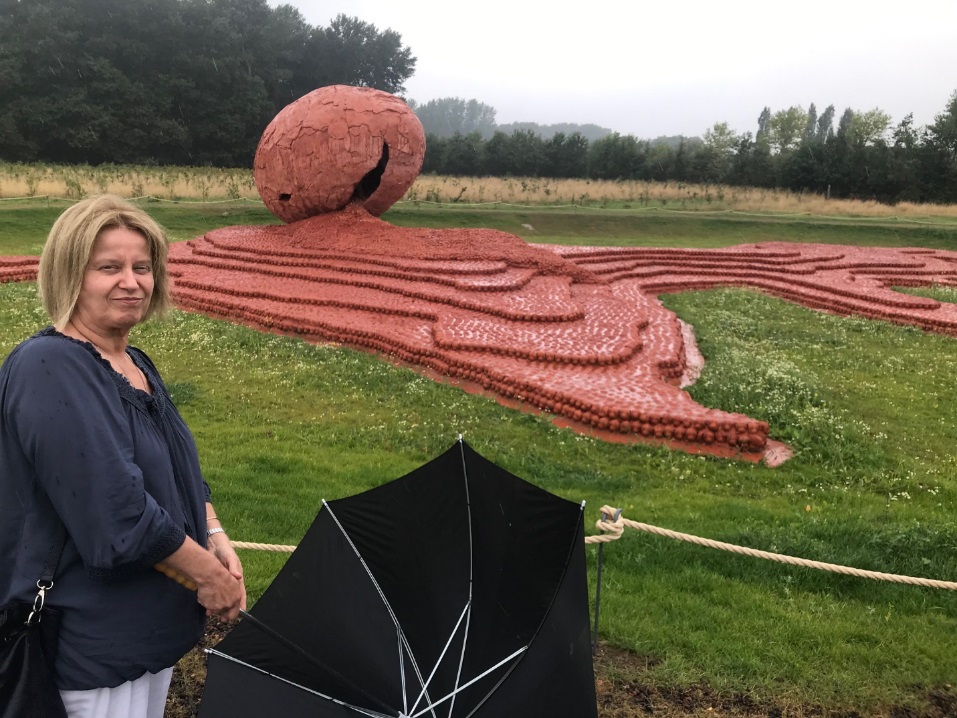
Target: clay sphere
(335, 146)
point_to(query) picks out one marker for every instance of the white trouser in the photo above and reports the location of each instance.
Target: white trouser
(143, 698)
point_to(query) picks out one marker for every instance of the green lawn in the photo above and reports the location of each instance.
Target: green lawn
(869, 407)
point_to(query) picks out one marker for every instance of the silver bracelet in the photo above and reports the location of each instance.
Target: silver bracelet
(217, 530)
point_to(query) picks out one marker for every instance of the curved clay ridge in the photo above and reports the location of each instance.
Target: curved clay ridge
(575, 331)
(845, 280)
(18, 269)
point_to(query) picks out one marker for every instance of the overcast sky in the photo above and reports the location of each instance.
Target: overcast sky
(674, 67)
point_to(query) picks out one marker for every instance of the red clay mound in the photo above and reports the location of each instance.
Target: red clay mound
(478, 305)
(574, 331)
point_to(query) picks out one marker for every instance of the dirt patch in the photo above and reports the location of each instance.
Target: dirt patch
(694, 359)
(623, 690)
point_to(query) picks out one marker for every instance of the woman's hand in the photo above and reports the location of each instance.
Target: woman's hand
(222, 595)
(222, 549)
(217, 588)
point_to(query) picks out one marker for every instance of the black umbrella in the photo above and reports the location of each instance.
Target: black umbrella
(457, 590)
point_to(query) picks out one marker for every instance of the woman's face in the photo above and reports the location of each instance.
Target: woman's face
(117, 284)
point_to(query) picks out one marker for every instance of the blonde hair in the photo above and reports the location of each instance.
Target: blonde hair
(70, 244)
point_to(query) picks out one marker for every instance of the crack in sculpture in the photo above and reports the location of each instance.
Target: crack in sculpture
(370, 182)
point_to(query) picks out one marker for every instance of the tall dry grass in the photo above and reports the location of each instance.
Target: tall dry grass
(212, 184)
(673, 195)
(77, 181)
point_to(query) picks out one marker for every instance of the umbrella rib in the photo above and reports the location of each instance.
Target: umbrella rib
(275, 635)
(357, 709)
(385, 600)
(468, 622)
(405, 698)
(466, 685)
(458, 675)
(438, 662)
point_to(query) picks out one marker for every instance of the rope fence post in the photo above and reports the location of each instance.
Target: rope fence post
(601, 551)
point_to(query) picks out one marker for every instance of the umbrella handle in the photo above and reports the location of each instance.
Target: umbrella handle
(182, 580)
(172, 573)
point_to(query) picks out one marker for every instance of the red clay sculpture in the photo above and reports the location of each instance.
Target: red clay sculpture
(574, 331)
(335, 146)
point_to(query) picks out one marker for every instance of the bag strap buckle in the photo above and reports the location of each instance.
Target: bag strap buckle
(39, 601)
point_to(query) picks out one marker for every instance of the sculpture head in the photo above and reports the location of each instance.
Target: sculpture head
(335, 146)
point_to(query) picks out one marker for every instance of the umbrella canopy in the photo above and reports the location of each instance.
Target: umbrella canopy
(457, 590)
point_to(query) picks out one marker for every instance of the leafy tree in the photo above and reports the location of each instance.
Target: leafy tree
(283, 56)
(764, 126)
(684, 169)
(943, 132)
(527, 153)
(435, 151)
(660, 164)
(868, 127)
(741, 172)
(905, 135)
(825, 124)
(903, 181)
(844, 125)
(810, 129)
(786, 128)
(353, 52)
(498, 162)
(223, 100)
(463, 155)
(566, 156)
(848, 171)
(936, 170)
(716, 156)
(937, 155)
(614, 157)
(805, 169)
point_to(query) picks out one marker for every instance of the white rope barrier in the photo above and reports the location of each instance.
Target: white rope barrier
(278, 548)
(615, 529)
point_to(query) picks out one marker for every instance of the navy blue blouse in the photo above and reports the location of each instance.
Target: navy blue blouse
(120, 469)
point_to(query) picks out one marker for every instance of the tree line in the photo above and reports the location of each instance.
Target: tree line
(189, 82)
(862, 157)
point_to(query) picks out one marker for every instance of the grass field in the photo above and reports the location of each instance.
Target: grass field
(870, 409)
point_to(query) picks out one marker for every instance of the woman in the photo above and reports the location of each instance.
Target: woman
(89, 436)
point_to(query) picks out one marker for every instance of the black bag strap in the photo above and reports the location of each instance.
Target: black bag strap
(53, 557)
(46, 578)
